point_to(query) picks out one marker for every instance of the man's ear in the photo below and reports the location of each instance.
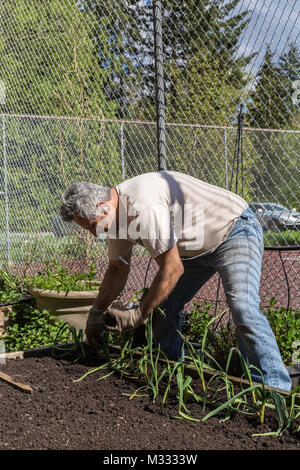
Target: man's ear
(103, 207)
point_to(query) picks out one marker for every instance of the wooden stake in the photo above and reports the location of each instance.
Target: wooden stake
(19, 386)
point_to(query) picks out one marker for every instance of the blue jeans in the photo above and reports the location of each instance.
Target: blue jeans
(238, 261)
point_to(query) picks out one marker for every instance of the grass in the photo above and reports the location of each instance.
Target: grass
(285, 238)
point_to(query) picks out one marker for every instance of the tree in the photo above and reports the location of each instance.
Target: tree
(268, 100)
(48, 59)
(289, 63)
(208, 33)
(271, 108)
(48, 62)
(122, 41)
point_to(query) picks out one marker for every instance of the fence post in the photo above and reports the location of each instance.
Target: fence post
(226, 159)
(160, 91)
(122, 150)
(5, 188)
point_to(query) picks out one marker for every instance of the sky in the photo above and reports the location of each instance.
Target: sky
(272, 22)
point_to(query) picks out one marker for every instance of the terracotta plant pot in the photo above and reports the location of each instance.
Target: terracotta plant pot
(71, 307)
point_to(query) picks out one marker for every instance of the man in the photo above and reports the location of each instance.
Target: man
(192, 229)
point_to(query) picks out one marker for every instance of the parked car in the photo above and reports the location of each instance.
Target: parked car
(275, 217)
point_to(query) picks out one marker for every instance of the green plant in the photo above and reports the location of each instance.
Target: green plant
(59, 278)
(287, 413)
(221, 336)
(68, 333)
(285, 324)
(10, 288)
(252, 400)
(29, 328)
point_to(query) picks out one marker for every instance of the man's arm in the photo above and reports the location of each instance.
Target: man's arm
(113, 283)
(170, 270)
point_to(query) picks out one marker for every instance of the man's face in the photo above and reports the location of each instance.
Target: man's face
(88, 224)
(101, 224)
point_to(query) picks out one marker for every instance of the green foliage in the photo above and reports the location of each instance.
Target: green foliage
(267, 107)
(29, 328)
(286, 328)
(10, 288)
(68, 333)
(144, 363)
(202, 77)
(270, 106)
(285, 238)
(120, 35)
(60, 278)
(284, 323)
(56, 41)
(49, 248)
(220, 338)
(49, 64)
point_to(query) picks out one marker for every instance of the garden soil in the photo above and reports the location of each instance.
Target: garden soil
(94, 414)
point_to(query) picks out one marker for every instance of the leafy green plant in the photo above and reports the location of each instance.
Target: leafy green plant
(59, 278)
(29, 328)
(10, 288)
(287, 413)
(218, 336)
(285, 325)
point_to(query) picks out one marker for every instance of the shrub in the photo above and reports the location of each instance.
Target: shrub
(286, 328)
(60, 278)
(284, 323)
(10, 288)
(29, 328)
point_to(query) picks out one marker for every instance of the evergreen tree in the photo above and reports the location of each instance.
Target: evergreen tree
(268, 100)
(122, 38)
(270, 107)
(208, 33)
(289, 63)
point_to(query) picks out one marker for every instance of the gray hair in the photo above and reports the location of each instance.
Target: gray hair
(81, 199)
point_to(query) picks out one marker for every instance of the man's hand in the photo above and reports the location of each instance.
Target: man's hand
(95, 324)
(117, 319)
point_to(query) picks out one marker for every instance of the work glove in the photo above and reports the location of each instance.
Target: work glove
(122, 320)
(95, 324)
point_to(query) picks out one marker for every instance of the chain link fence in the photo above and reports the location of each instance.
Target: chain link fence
(103, 91)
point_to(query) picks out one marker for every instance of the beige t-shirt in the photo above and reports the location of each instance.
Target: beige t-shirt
(159, 209)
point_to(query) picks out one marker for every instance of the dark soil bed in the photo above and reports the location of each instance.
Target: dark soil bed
(64, 415)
